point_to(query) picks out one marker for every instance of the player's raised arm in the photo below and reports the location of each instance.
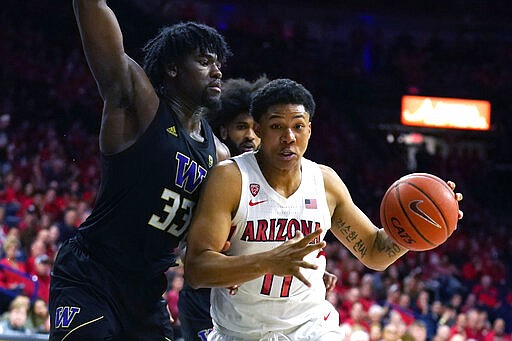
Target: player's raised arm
(353, 228)
(129, 98)
(206, 266)
(102, 41)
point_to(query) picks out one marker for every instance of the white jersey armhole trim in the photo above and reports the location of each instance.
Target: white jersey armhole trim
(241, 211)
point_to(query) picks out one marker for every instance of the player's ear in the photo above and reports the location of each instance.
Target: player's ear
(223, 133)
(257, 129)
(171, 70)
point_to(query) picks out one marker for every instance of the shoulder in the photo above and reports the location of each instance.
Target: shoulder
(329, 175)
(226, 170)
(223, 186)
(335, 189)
(221, 149)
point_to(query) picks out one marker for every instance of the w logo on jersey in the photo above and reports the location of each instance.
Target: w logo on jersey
(189, 174)
(64, 316)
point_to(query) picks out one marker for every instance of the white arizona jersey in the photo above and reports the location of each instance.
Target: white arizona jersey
(264, 220)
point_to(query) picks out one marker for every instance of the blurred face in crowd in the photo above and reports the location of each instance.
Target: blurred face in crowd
(499, 326)
(390, 333)
(40, 308)
(18, 317)
(239, 134)
(418, 331)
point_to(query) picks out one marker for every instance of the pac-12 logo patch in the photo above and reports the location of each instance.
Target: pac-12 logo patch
(64, 316)
(255, 189)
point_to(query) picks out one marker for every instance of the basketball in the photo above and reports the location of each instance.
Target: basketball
(419, 211)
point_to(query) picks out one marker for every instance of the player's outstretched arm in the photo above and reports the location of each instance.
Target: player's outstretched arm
(371, 245)
(102, 41)
(206, 266)
(129, 98)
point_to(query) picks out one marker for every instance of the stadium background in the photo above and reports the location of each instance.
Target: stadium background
(357, 57)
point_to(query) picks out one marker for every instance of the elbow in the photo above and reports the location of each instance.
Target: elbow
(190, 275)
(192, 280)
(376, 265)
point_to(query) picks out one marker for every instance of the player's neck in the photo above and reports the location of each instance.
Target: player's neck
(283, 181)
(189, 116)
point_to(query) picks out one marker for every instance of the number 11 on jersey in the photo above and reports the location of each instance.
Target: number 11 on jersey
(268, 280)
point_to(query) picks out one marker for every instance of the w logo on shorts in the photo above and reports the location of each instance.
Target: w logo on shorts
(203, 334)
(64, 316)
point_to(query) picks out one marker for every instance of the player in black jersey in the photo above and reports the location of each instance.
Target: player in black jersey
(156, 149)
(234, 125)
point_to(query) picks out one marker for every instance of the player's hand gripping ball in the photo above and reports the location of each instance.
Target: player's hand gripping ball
(419, 211)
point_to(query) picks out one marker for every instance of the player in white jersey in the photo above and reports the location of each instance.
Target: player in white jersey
(267, 221)
(274, 208)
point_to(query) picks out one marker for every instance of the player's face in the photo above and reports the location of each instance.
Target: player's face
(239, 134)
(284, 131)
(199, 79)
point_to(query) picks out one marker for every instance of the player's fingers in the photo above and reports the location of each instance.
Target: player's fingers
(307, 265)
(297, 238)
(329, 280)
(233, 289)
(329, 283)
(170, 315)
(458, 196)
(302, 279)
(461, 214)
(310, 237)
(451, 184)
(226, 246)
(313, 247)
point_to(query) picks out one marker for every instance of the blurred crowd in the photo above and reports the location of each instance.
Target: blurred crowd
(49, 171)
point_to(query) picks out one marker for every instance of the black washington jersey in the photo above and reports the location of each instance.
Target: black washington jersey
(147, 196)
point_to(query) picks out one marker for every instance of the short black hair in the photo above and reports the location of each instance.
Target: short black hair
(173, 43)
(236, 98)
(281, 91)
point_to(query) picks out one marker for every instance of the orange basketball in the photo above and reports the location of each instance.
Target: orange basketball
(419, 211)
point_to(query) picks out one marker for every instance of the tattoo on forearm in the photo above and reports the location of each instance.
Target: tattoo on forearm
(352, 237)
(386, 245)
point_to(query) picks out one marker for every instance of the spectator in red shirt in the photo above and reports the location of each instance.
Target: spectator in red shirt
(367, 296)
(474, 329)
(37, 248)
(43, 266)
(460, 325)
(498, 332)
(173, 296)
(12, 272)
(487, 295)
(357, 319)
(471, 270)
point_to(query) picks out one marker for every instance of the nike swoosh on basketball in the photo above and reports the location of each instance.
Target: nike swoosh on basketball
(254, 203)
(327, 316)
(414, 206)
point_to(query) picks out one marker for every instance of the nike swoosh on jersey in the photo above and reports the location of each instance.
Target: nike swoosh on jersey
(254, 203)
(327, 316)
(414, 206)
